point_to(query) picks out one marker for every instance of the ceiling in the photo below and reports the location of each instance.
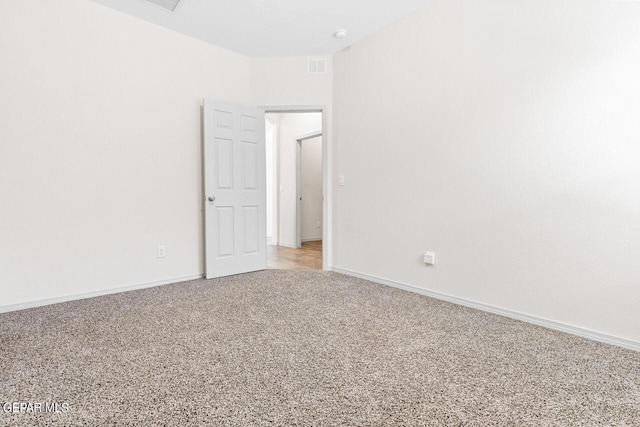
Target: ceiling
(273, 27)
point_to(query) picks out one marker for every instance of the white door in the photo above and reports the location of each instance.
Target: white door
(234, 189)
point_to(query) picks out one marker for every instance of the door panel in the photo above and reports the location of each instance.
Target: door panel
(225, 228)
(234, 189)
(249, 165)
(251, 229)
(224, 163)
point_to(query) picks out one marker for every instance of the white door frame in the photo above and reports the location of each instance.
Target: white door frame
(299, 140)
(326, 170)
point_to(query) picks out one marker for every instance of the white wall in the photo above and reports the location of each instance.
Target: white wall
(311, 189)
(272, 178)
(503, 135)
(290, 127)
(283, 81)
(100, 147)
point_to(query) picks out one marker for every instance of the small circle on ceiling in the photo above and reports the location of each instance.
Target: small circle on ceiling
(340, 33)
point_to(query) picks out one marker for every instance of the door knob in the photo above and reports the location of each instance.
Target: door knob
(211, 199)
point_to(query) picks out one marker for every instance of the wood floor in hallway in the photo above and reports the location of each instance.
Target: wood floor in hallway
(309, 257)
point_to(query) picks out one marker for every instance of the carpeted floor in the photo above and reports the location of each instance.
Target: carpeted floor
(304, 348)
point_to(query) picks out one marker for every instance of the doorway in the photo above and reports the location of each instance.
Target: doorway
(296, 208)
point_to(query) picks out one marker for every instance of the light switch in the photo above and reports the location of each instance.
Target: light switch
(340, 180)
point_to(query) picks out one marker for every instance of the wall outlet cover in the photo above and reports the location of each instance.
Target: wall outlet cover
(430, 258)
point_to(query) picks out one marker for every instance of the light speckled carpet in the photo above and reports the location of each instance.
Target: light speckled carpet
(303, 348)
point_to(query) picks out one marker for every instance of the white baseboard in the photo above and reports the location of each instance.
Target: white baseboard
(287, 245)
(585, 333)
(313, 239)
(38, 303)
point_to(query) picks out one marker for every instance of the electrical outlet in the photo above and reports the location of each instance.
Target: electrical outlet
(318, 224)
(162, 251)
(341, 180)
(430, 258)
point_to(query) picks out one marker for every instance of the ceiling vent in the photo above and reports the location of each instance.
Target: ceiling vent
(170, 5)
(316, 66)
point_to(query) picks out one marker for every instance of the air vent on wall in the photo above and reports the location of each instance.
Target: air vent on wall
(166, 4)
(316, 66)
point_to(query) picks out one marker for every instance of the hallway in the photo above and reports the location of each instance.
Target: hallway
(309, 257)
